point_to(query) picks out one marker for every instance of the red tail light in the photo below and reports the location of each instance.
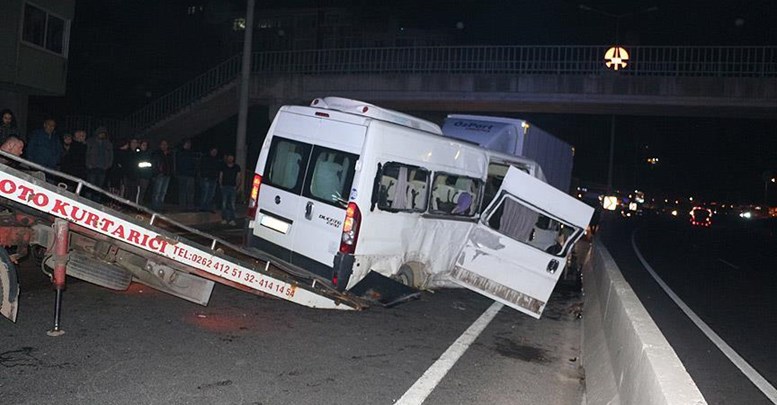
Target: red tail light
(353, 218)
(253, 203)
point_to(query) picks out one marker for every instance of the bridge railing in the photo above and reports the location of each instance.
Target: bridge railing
(552, 60)
(566, 60)
(191, 92)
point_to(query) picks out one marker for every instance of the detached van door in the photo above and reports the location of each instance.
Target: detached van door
(503, 260)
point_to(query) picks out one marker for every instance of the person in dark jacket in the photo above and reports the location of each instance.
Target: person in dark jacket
(231, 183)
(162, 165)
(210, 165)
(99, 156)
(8, 126)
(144, 170)
(74, 157)
(185, 173)
(45, 147)
(129, 162)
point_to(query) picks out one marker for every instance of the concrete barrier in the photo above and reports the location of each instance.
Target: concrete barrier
(627, 360)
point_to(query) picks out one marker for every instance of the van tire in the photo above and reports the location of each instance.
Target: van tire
(406, 276)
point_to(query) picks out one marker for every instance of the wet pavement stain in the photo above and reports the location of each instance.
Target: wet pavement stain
(215, 384)
(509, 348)
(20, 358)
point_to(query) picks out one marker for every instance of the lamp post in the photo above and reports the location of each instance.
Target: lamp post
(617, 18)
(768, 178)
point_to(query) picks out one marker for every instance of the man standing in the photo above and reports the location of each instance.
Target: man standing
(162, 165)
(210, 165)
(74, 157)
(185, 172)
(129, 160)
(45, 147)
(99, 157)
(230, 180)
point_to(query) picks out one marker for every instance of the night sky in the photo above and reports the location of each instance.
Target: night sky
(124, 54)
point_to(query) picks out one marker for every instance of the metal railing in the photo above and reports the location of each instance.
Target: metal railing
(679, 61)
(567, 60)
(191, 92)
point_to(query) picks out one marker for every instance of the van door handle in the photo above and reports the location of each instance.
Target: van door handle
(309, 210)
(552, 266)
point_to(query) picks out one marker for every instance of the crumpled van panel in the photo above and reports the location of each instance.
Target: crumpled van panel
(433, 242)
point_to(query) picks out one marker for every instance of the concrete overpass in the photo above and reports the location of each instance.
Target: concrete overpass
(666, 81)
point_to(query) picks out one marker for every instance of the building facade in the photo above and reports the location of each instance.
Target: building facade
(34, 40)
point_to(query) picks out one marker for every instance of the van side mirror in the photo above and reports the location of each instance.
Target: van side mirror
(376, 187)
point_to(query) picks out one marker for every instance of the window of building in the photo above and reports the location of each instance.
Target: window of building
(455, 195)
(45, 30)
(401, 187)
(239, 24)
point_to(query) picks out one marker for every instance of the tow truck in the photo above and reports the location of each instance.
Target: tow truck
(45, 214)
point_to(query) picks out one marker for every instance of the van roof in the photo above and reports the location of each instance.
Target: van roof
(361, 108)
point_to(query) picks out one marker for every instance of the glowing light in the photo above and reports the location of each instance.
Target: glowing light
(674, 213)
(616, 58)
(610, 203)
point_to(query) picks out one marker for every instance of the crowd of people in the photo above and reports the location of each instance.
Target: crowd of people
(129, 167)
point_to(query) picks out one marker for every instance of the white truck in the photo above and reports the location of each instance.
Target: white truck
(347, 190)
(519, 138)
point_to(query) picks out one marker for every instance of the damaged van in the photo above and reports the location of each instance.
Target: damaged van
(344, 188)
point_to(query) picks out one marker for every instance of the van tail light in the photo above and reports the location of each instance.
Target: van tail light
(253, 203)
(353, 218)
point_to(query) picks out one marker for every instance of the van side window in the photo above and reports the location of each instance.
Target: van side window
(524, 223)
(402, 187)
(454, 195)
(286, 164)
(330, 176)
(496, 174)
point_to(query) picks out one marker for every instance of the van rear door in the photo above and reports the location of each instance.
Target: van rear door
(307, 181)
(502, 259)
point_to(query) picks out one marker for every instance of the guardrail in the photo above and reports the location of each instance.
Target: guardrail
(565, 60)
(194, 90)
(737, 62)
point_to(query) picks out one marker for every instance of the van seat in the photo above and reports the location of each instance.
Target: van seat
(327, 180)
(417, 194)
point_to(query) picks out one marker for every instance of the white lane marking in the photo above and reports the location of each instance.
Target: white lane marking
(417, 394)
(757, 379)
(729, 264)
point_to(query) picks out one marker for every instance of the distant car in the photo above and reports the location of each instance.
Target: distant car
(701, 216)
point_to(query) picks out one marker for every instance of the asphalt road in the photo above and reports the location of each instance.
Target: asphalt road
(145, 347)
(727, 275)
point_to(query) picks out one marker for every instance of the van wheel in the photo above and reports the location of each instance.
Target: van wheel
(405, 276)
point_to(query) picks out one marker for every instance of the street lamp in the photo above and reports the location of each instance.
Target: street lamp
(617, 17)
(620, 63)
(767, 180)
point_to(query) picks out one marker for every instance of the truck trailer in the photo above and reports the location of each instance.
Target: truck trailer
(517, 137)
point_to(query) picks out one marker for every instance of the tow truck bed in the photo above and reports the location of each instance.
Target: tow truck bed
(119, 241)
